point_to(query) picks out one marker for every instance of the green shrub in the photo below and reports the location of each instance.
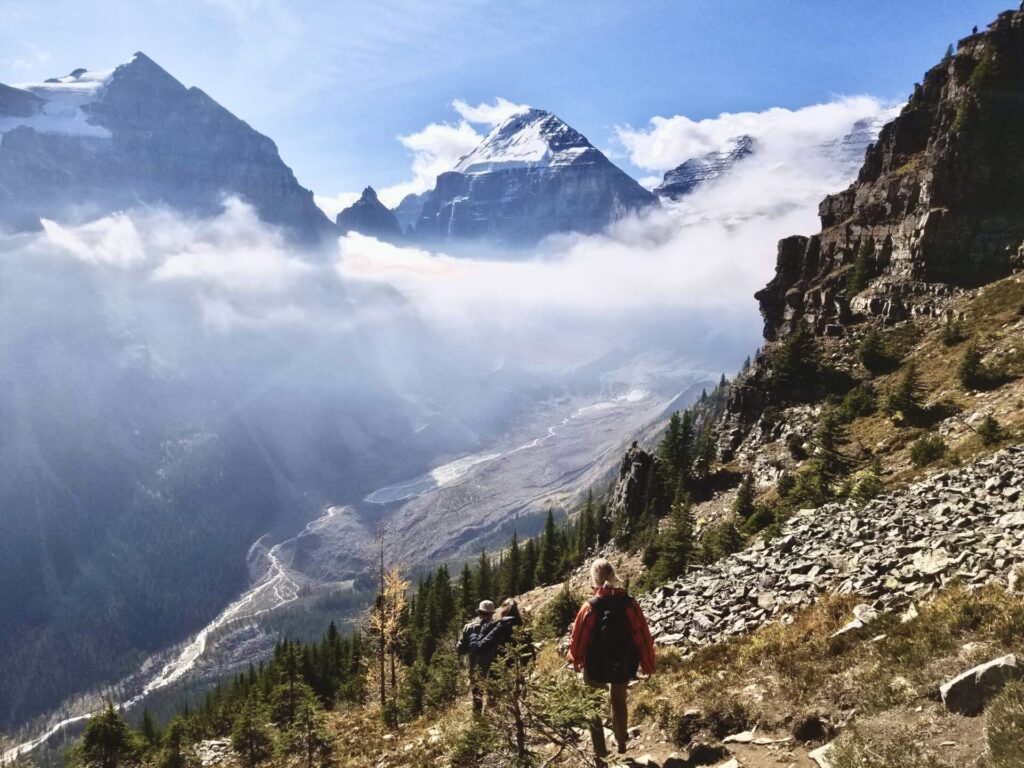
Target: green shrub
(555, 617)
(953, 333)
(927, 450)
(872, 353)
(865, 485)
(1004, 728)
(859, 401)
(989, 430)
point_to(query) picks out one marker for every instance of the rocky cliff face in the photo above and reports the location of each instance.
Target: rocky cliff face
(369, 216)
(683, 179)
(938, 203)
(533, 176)
(93, 142)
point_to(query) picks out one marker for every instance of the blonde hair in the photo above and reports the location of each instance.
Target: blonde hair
(602, 573)
(508, 608)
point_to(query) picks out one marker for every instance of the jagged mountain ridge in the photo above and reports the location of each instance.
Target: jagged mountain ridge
(697, 171)
(531, 177)
(937, 204)
(89, 143)
(369, 216)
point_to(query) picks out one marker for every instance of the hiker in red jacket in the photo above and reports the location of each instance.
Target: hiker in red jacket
(610, 640)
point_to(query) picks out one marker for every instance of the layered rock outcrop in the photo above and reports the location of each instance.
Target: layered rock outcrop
(938, 203)
(965, 524)
(93, 142)
(369, 216)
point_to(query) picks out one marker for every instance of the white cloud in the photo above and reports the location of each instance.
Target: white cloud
(333, 205)
(435, 150)
(669, 141)
(489, 114)
(113, 241)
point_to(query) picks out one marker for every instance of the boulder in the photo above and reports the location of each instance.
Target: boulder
(970, 692)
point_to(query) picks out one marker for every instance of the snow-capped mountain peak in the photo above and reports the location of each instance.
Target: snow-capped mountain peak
(533, 138)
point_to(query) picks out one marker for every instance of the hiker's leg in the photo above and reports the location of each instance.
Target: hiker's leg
(478, 699)
(620, 722)
(596, 724)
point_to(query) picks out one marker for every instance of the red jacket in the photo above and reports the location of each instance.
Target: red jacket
(583, 628)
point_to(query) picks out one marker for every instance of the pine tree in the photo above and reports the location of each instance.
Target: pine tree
(108, 741)
(513, 565)
(871, 352)
(308, 738)
(548, 554)
(904, 400)
(150, 734)
(250, 736)
(744, 505)
(674, 543)
(795, 365)
(484, 577)
(706, 451)
(467, 593)
(971, 371)
(861, 273)
(175, 743)
(586, 530)
(529, 570)
(989, 430)
(830, 437)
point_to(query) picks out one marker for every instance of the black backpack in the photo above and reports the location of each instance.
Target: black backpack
(612, 656)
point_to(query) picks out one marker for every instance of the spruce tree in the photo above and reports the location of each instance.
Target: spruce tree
(675, 542)
(108, 741)
(871, 352)
(744, 505)
(971, 370)
(250, 736)
(174, 746)
(795, 365)
(513, 566)
(150, 734)
(467, 592)
(529, 580)
(548, 554)
(484, 577)
(905, 398)
(830, 437)
(586, 529)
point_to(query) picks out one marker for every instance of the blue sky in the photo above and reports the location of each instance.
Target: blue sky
(336, 83)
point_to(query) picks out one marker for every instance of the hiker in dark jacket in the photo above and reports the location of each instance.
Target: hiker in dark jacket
(484, 614)
(610, 642)
(497, 637)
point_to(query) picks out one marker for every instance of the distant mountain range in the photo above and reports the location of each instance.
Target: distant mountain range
(88, 143)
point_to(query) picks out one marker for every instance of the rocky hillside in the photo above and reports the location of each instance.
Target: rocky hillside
(937, 204)
(89, 143)
(966, 524)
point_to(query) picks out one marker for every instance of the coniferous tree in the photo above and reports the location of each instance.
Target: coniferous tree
(108, 741)
(674, 544)
(971, 370)
(904, 400)
(548, 554)
(484, 577)
(467, 592)
(150, 734)
(706, 450)
(529, 580)
(175, 743)
(586, 529)
(250, 736)
(871, 351)
(513, 566)
(308, 738)
(830, 437)
(744, 505)
(796, 363)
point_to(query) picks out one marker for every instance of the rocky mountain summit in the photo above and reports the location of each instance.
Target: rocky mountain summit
(965, 524)
(79, 146)
(937, 203)
(531, 177)
(695, 172)
(369, 216)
